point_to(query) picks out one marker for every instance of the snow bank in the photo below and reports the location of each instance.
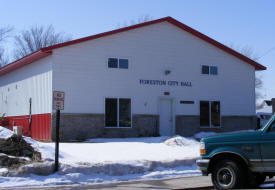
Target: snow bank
(122, 156)
(84, 179)
(129, 151)
(204, 134)
(5, 133)
(101, 160)
(181, 141)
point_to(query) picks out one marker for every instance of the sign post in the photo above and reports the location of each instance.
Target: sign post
(58, 104)
(57, 140)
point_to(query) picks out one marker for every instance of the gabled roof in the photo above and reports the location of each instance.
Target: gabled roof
(43, 52)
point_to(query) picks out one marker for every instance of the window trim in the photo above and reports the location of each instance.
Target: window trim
(131, 113)
(210, 121)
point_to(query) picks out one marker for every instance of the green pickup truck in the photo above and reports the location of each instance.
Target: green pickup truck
(239, 160)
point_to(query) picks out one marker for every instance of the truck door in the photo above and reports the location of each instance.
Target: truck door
(268, 148)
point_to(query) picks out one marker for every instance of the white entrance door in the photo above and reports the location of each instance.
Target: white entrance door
(166, 118)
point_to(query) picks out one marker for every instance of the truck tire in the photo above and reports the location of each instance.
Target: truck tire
(227, 174)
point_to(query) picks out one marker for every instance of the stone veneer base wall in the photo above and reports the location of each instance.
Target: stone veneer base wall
(86, 126)
(190, 125)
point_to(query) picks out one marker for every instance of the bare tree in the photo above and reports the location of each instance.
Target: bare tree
(141, 19)
(249, 52)
(4, 34)
(35, 38)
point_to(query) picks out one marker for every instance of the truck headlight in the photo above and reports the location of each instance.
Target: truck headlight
(202, 148)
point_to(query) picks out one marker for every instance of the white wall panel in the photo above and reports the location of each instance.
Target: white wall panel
(32, 81)
(81, 71)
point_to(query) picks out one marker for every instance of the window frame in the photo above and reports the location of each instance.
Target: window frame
(209, 70)
(210, 114)
(118, 58)
(131, 113)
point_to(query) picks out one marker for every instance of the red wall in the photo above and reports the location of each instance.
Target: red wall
(40, 128)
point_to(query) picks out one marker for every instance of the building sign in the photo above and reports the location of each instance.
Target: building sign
(58, 100)
(165, 83)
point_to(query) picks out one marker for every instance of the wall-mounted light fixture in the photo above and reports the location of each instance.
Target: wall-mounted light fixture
(167, 72)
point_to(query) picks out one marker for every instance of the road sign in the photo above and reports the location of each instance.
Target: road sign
(58, 100)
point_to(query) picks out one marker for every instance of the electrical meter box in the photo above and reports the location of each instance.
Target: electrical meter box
(17, 130)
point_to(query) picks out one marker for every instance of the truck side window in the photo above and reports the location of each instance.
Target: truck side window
(272, 127)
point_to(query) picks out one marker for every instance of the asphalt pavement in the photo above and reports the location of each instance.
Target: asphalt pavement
(195, 182)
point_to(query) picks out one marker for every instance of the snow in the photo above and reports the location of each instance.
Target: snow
(125, 151)
(268, 186)
(181, 141)
(108, 160)
(84, 179)
(204, 134)
(5, 133)
(10, 156)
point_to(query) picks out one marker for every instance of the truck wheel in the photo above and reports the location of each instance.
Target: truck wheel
(227, 174)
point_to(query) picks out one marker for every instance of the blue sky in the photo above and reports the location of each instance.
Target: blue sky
(249, 23)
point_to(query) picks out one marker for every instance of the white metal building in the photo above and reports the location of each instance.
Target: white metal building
(156, 78)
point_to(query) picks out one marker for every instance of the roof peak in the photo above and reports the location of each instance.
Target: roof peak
(43, 52)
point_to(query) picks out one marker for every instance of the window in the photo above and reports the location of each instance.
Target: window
(124, 112)
(123, 63)
(212, 70)
(205, 69)
(204, 113)
(117, 112)
(215, 113)
(118, 63)
(272, 127)
(112, 63)
(110, 112)
(210, 113)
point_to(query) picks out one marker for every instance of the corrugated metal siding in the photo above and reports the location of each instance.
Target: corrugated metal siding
(40, 128)
(22, 121)
(16, 88)
(32, 81)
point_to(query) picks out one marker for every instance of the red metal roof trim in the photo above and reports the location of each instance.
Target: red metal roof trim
(24, 61)
(43, 52)
(217, 44)
(174, 22)
(105, 34)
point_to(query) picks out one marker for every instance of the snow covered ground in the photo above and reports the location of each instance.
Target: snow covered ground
(111, 160)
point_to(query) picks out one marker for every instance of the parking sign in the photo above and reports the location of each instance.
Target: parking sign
(58, 100)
